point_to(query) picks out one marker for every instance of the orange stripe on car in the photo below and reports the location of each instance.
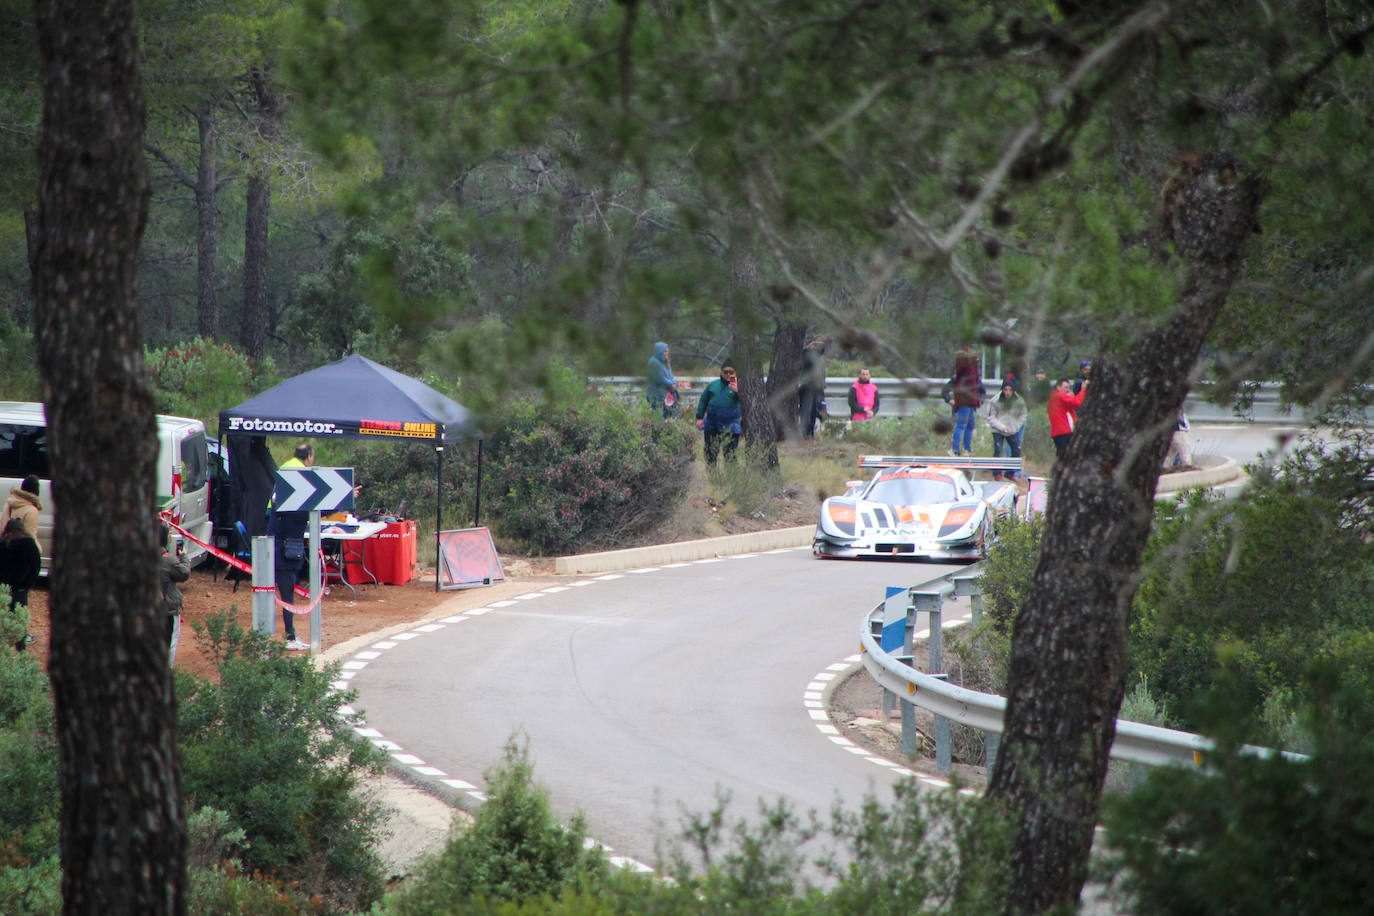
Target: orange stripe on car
(844, 515)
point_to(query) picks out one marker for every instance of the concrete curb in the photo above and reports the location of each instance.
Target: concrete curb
(1225, 471)
(684, 551)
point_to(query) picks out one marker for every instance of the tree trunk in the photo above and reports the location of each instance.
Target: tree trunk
(253, 330)
(123, 839)
(784, 375)
(1068, 660)
(207, 235)
(760, 444)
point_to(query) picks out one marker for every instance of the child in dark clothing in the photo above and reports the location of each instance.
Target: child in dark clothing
(20, 564)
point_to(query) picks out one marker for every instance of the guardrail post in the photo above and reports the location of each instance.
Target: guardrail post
(932, 603)
(893, 630)
(968, 585)
(264, 586)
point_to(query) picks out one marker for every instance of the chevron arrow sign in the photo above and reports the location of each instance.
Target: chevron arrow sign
(306, 489)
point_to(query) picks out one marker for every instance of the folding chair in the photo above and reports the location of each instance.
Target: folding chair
(243, 552)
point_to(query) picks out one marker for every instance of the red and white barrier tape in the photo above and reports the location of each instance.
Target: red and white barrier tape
(300, 610)
(234, 561)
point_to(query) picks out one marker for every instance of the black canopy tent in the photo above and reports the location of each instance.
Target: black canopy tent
(352, 398)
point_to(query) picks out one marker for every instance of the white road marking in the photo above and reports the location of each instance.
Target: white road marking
(812, 699)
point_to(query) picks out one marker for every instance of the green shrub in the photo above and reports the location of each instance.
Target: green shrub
(1259, 586)
(514, 850)
(17, 356)
(203, 377)
(30, 876)
(1253, 834)
(30, 888)
(922, 853)
(217, 884)
(1138, 705)
(553, 480)
(14, 621)
(1005, 576)
(743, 487)
(224, 891)
(269, 746)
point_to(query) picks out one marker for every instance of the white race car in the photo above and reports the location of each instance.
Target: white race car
(920, 508)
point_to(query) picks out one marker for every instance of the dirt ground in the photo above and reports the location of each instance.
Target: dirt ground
(377, 607)
(208, 593)
(856, 709)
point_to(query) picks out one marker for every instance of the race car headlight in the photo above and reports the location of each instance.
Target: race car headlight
(954, 520)
(842, 517)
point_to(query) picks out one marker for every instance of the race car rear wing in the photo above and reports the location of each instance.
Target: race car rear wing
(963, 463)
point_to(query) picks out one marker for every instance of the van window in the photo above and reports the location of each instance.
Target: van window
(23, 451)
(195, 463)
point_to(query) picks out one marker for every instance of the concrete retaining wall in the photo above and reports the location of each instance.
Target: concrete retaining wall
(684, 551)
(755, 541)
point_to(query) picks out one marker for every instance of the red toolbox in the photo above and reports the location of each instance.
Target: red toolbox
(390, 554)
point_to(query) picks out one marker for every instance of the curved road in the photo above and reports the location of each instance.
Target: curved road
(636, 692)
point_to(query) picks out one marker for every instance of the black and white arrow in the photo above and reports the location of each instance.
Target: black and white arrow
(306, 489)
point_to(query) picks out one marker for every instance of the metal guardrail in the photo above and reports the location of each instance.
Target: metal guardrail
(898, 400)
(1135, 742)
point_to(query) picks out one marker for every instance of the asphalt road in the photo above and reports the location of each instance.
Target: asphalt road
(644, 694)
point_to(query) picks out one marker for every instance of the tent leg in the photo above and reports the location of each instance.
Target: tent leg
(438, 510)
(477, 508)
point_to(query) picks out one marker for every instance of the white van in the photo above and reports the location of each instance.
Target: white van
(183, 471)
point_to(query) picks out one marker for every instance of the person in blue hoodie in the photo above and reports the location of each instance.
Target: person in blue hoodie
(662, 390)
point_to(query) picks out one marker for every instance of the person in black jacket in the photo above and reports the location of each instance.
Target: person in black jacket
(288, 528)
(20, 563)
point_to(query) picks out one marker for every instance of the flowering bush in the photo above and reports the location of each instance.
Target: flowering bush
(554, 480)
(201, 378)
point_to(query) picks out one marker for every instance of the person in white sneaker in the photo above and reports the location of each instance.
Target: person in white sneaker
(288, 530)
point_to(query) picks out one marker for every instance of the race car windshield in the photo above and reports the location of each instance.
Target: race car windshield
(911, 491)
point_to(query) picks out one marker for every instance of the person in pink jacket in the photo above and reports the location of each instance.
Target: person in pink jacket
(863, 397)
(1063, 410)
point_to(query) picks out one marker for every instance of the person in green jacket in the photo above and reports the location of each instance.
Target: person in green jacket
(718, 415)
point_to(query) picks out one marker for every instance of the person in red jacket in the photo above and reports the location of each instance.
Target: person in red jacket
(1063, 410)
